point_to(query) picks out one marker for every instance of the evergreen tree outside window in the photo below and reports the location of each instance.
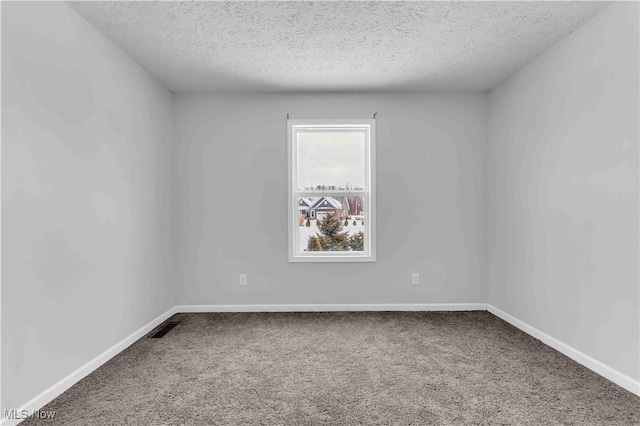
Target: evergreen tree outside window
(331, 180)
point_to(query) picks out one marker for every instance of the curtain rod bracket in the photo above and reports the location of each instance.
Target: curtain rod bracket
(287, 116)
(374, 115)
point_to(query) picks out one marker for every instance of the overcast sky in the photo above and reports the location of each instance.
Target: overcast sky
(331, 158)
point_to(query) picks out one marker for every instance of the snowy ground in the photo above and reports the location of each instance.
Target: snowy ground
(305, 232)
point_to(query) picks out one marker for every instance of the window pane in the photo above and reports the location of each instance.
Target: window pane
(330, 160)
(331, 223)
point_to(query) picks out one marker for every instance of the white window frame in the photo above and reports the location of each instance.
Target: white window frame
(369, 193)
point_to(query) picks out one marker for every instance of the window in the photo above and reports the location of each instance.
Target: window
(331, 190)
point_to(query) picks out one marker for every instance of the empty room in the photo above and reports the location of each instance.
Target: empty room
(322, 213)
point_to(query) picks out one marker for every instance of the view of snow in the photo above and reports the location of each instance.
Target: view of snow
(306, 231)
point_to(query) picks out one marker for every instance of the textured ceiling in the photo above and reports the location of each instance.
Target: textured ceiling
(334, 46)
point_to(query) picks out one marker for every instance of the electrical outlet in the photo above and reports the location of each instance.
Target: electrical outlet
(415, 278)
(243, 279)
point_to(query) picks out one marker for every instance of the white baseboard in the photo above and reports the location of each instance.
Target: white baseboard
(605, 371)
(57, 389)
(336, 307)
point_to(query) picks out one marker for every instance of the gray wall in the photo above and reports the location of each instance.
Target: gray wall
(563, 191)
(430, 179)
(85, 208)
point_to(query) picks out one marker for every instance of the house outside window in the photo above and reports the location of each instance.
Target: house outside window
(331, 190)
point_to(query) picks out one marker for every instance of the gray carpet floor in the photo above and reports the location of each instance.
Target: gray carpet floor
(366, 368)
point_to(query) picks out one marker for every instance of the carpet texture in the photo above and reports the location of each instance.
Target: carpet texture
(365, 368)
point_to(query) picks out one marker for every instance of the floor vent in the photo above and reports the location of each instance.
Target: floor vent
(164, 330)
